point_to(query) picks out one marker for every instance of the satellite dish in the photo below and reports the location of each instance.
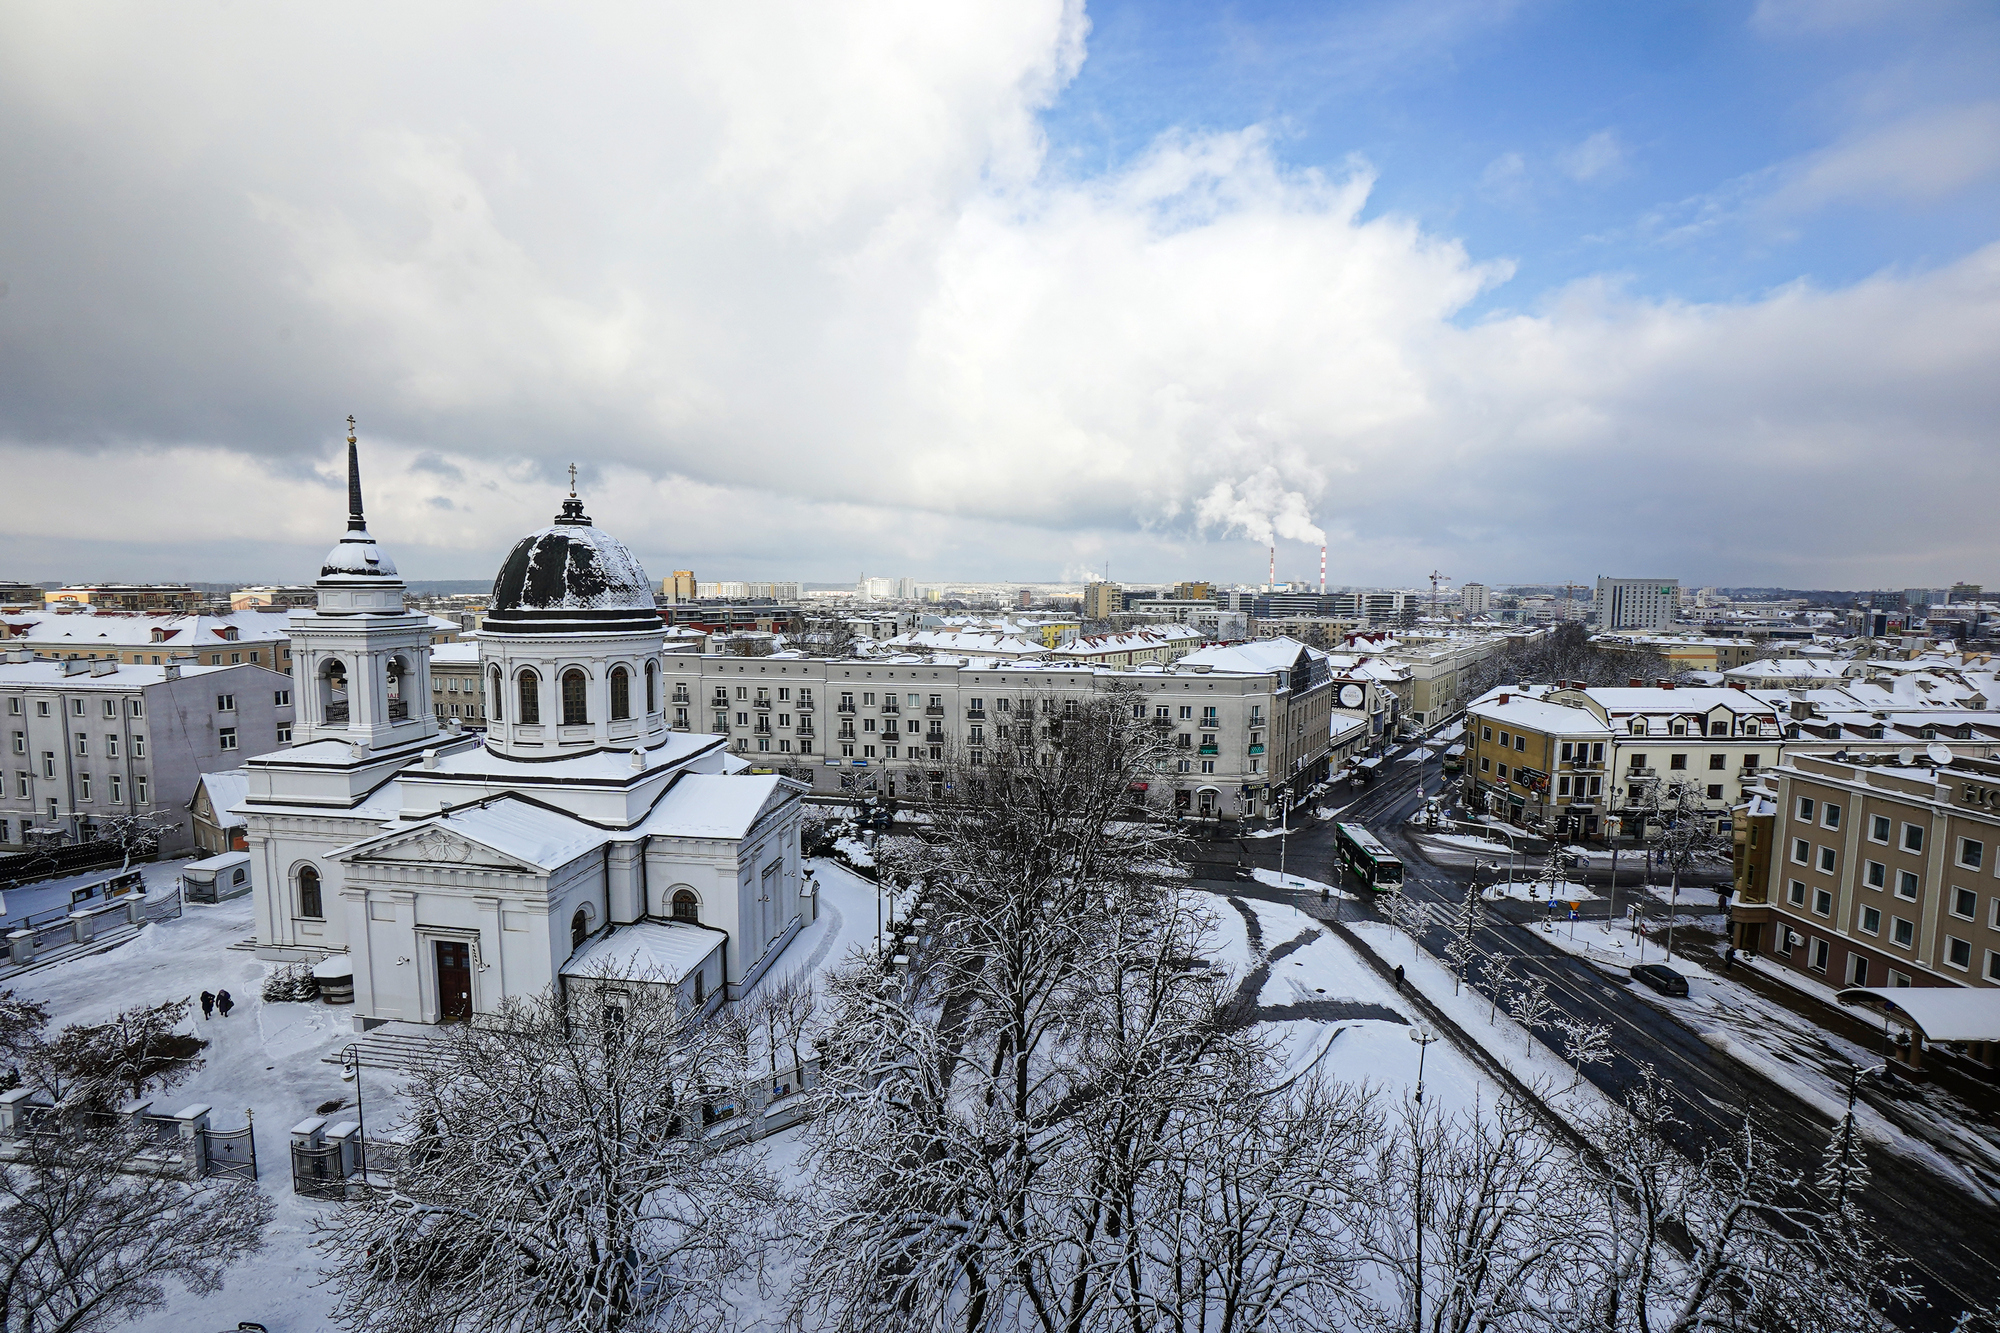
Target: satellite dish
(1906, 757)
(1940, 754)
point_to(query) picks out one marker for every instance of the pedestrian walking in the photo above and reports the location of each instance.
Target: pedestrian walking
(207, 1004)
(1399, 979)
(224, 1003)
(1729, 959)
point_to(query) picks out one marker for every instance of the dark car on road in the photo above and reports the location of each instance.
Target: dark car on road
(1661, 978)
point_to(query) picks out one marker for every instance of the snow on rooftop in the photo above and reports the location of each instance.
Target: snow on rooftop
(1941, 1013)
(663, 951)
(226, 789)
(128, 676)
(526, 832)
(711, 805)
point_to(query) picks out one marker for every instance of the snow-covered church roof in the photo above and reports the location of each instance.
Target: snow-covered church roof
(571, 578)
(660, 951)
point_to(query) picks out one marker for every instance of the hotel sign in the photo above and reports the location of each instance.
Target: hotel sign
(1979, 796)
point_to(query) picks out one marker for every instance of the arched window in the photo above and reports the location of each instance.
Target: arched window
(652, 688)
(497, 692)
(310, 903)
(575, 686)
(621, 694)
(333, 689)
(399, 707)
(579, 928)
(531, 697)
(687, 907)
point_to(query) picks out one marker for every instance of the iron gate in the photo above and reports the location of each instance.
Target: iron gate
(230, 1152)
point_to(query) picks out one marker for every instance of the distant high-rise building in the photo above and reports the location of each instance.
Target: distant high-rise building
(680, 587)
(1965, 592)
(1622, 604)
(1193, 592)
(1024, 599)
(1475, 599)
(124, 596)
(1101, 600)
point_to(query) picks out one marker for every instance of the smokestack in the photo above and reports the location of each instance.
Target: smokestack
(1272, 586)
(1322, 571)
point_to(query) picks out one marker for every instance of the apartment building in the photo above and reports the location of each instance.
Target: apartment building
(1876, 870)
(257, 637)
(1475, 599)
(1525, 763)
(1242, 727)
(91, 741)
(125, 596)
(455, 684)
(1102, 600)
(295, 594)
(1643, 604)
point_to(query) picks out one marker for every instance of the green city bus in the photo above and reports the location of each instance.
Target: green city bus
(1366, 858)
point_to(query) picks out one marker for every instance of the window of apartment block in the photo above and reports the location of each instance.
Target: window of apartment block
(1826, 860)
(225, 703)
(1521, 744)
(1957, 952)
(1486, 733)
(1795, 893)
(284, 733)
(1875, 875)
(1965, 903)
(138, 747)
(48, 763)
(1822, 902)
(1750, 761)
(1485, 764)
(41, 708)
(1871, 920)
(111, 745)
(1820, 950)
(1677, 761)
(1913, 837)
(1715, 791)
(1506, 739)
(1857, 970)
(1829, 815)
(1562, 786)
(117, 787)
(1992, 965)
(82, 745)
(1806, 808)
(1971, 853)
(1501, 772)
(20, 742)
(227, 737)
(1902, 931)
(1879, 829)
(1718, 761)
(1907, 884)
(1638, 761)
(1801, 852)
(139, 785)
(83, 785)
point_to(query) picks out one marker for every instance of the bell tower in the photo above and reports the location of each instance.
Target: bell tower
(361, 662)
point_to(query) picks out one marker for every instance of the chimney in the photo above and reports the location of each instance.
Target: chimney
(1635, 682)
(173, 671)
(1666, 685)
(1505, 697)
(104, 666)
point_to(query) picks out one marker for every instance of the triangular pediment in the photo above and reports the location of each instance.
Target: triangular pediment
(435, 846)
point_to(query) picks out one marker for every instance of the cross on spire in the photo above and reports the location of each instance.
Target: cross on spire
(572, 481)
(355, 522)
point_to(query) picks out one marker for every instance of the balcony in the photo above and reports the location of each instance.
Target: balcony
(1588, 765)
(1642, 772)
(805, 703)
(681, 697)
(1211, 723)
(763, 726)
(760, 703)
(1256, 749)
(976, 714)
(1209, 747)
(847, 708)
(1163, 724)
(891, 710)
(805, 727)
(934, 738)
(934, 710)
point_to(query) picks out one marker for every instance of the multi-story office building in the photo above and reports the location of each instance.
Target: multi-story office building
(125, 596)
(1244, 721)
(89, 741)
(1647, 604)
(680, 586)
(1474, 599)
(1874, 870)
(1599, 760)
(1102, 600)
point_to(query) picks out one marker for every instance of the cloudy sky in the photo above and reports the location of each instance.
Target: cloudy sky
(1510, 289)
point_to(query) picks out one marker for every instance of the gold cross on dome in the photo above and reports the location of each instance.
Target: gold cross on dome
(572, 479)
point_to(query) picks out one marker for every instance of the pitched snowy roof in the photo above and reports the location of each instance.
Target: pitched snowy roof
(128, 676)
(133, 629)
(225, 790)
(1521, 711)
(1258, 655)
(713, 805)
(662, 951)
(526, 832)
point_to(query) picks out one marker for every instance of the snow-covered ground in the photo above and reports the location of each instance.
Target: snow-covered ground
(1298, 882)
(53, 894)
(1539, 891)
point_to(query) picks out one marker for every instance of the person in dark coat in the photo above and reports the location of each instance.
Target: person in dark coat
(1399, 981)
(207, 1004)
(224, 1003)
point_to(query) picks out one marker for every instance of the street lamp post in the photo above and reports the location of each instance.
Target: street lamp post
(1423, 1037)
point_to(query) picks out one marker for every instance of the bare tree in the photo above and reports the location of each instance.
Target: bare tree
(1531, 1007)
(560, 1173)
(135, 835)
(101, 1064)
(826, 636)
(1464, 946)
(1585, 1042)
(1688, 835)
(22, 1022)
(1056, 1118)
(91, 1235)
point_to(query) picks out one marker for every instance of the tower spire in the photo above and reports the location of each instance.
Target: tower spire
(355, 522)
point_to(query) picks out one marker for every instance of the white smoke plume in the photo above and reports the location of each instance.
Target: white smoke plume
(1260, 507)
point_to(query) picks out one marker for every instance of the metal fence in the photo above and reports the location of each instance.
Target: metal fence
(230, 1152)
(319, 1171)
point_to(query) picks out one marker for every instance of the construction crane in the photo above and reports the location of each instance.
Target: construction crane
(1435, 576)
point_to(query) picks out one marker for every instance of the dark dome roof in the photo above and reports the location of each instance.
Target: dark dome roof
(571, 578)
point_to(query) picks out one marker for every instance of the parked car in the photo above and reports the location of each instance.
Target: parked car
(1661, 978)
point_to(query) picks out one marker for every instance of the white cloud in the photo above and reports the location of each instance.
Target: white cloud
(803, 296)
(1599, 155)
(1917, 159)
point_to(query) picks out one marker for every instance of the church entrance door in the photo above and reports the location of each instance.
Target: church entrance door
(454, 980)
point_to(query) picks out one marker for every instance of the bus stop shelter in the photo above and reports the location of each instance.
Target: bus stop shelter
(1951, 1015)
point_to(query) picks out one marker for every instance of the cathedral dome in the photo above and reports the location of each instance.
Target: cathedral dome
(571, 578)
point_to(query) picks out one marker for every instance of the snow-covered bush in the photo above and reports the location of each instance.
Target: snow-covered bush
(292, 982)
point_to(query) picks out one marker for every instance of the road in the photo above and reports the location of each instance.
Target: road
(1935, 1224)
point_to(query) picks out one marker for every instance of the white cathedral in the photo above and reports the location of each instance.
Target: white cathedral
(578, 836)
